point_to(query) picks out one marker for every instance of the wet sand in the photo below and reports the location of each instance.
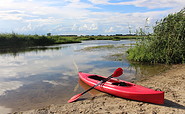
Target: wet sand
(171, 81)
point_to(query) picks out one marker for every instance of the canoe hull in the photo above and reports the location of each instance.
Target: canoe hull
(124, 89)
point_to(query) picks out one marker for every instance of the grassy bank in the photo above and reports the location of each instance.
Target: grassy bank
(115, 38)
(18, 40)
(167, 45)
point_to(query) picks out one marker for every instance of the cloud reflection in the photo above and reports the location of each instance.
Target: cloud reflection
(56, 83)
(50, 73)
(7, 86)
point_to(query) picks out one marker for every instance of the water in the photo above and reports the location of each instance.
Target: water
(36, 78)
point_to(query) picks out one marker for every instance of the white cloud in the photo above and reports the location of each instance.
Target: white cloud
(93, 27)
(99, 1)
(145, 3)
(49, 20)
(109, 30)
(72, 0)
(88, 27)
(13, 15)
(75, 27)
(75, 15)
(27, 28)
(111, 22)
(84, 27)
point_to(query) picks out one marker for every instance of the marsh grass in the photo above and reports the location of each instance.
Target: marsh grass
(103, 47)
(166, 45)
(116, 57)
(98, 47)
(18, 40)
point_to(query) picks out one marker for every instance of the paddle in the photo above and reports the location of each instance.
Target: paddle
(117, 72)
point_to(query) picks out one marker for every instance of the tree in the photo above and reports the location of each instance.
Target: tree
(48, 34)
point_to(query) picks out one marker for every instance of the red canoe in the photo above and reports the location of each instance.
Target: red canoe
(123, 89)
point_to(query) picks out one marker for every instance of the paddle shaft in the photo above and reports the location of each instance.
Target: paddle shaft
(102, 81)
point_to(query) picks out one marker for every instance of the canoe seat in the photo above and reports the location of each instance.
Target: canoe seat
(95, 77)
(120, 84)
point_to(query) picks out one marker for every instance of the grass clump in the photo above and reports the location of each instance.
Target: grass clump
(104, 47)
(166, 45)
(116, 57)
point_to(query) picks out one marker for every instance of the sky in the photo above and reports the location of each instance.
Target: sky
(83, 17)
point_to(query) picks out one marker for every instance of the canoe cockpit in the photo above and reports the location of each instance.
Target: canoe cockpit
(113, 82)
(95, 77)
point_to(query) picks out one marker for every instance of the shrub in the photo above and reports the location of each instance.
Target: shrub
(167, 45)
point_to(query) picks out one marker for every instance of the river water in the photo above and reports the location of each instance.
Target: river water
(42, 76)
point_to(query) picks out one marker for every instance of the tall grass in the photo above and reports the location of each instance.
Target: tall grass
(166, 45)
(18, 40)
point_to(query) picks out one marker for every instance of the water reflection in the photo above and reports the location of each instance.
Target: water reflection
(16, 50)
(36, 78)
(145, 70)
(93, 92)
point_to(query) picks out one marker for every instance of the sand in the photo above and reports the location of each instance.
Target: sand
(171, 81)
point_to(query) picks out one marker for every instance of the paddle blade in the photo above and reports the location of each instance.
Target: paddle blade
(74, 98)
(117, 72)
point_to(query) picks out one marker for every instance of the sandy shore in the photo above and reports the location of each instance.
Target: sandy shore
(171, 81)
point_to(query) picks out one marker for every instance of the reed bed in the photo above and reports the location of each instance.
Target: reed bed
(167, 43)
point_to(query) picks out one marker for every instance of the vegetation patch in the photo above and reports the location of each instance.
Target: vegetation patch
(18, 40)
(93, 48)
(167, 43)
(115, 57)
(98, 47)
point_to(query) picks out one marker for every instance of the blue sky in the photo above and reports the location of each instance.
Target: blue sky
(83, 17)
